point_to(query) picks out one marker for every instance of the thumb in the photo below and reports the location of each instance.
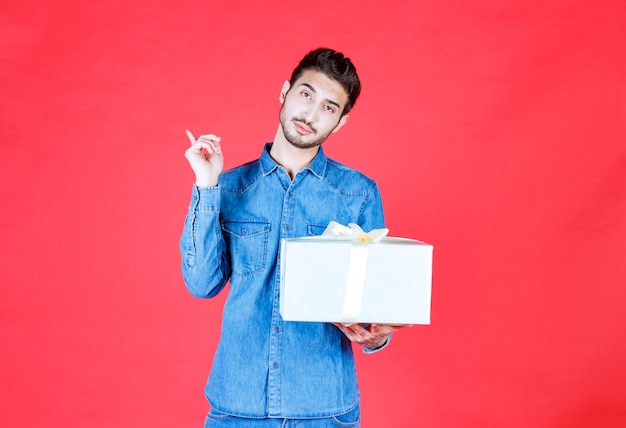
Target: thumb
(192, 139)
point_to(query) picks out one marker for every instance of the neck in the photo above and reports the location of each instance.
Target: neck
(292, 158)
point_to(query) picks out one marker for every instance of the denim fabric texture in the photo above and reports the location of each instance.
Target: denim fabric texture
(350, 419)
(263, 366)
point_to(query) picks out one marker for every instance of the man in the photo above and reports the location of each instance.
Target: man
(268, 372)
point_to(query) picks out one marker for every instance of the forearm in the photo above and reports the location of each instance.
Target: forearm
(204, 264)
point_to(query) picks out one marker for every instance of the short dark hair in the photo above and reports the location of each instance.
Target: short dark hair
(335, 66)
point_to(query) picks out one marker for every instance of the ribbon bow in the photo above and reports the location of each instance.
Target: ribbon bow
(354, 233)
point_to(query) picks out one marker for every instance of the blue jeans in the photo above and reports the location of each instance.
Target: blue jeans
(350, 419)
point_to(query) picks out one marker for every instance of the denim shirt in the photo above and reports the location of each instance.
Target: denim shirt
(264, 366)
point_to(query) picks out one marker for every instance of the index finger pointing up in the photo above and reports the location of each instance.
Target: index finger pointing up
(192, 139)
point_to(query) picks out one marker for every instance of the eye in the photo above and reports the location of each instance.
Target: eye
(330, 108)
(305, 94)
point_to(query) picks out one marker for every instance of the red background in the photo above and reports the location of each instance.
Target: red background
(496, 132)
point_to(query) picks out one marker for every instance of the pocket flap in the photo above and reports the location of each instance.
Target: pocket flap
(243, 229)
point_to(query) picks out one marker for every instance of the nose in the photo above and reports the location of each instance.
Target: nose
(310, 114)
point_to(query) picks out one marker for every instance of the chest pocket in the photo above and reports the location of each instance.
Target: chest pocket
(315, 229)
(247, 244)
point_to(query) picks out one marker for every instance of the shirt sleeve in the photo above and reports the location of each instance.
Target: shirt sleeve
(372, 215)
(204, 263)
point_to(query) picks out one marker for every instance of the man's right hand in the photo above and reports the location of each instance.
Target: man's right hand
(206, 158)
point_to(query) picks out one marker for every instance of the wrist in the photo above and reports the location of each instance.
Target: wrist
(380, 343)
(206, 181)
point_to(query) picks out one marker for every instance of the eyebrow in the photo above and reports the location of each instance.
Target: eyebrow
(328, 100)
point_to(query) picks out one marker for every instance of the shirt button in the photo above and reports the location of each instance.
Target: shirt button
(275, 365)
(276, 329)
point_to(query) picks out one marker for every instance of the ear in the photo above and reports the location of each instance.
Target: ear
(342, 122)
(283, 91)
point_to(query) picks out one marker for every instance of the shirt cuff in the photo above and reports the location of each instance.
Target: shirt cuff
(206, 198)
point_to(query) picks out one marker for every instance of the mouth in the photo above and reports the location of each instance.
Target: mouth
(302, 128)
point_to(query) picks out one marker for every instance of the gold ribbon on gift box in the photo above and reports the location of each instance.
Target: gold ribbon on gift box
(357, 264)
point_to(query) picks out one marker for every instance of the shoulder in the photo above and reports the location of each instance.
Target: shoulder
(240, 178)
(348, 180)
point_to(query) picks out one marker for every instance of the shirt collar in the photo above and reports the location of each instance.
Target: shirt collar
(317, 165)
(268, 165)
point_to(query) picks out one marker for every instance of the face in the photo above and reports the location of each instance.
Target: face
(311, 109)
